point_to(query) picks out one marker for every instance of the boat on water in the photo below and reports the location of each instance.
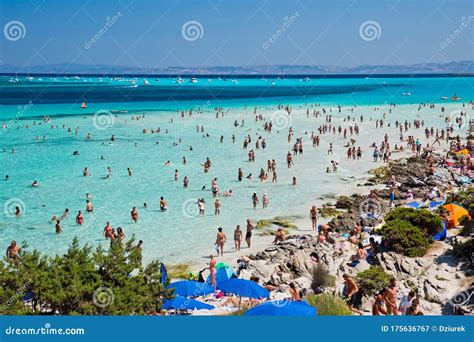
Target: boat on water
(455, 98)
(179, 80)
(235, 81)
(83, 105)
(146, 82)
(407, 93)
(193, 80)
(444, 97)
(306, 79)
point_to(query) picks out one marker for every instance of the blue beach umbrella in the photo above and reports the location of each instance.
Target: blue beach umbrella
(191, 288)
(164, 274)
(243, 288)
(186, 303)
(282, 308)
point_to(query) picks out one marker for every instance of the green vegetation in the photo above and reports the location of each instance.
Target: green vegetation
(277, 221)
(463, 250)
(420, 218)
(179, 271)
(380, 174)
(328, 211)
(282, 222)
(373, 280)
(328, 305)
(403, 237)
(81, 282)
(408, 231)
(321, 278)
(265, 226)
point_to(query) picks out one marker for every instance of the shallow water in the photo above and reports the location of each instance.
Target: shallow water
(178, 235)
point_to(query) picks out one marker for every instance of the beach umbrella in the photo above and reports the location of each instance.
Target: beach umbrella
(243, 288)
(282, 308)
(164, 274)
(222, 265)
(191, 288)
(223, 273)
(179, 302)
(455, 214)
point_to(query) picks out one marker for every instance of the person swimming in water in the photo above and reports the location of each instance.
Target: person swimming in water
(163, 204)
(134, 214)
(79, 218)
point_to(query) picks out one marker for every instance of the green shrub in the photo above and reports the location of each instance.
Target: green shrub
(373, 280)
(328, 305)
(467, 226)
(420, 218)
(321, 278)
(463, 250)
(403, 237)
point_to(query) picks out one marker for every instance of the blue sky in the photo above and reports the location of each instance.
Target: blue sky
(149, 33)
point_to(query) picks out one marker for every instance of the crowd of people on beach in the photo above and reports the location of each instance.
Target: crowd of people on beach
(410, 141)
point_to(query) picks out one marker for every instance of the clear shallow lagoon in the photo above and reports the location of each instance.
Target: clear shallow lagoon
(178, 235)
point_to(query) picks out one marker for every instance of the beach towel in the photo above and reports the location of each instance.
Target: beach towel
(415, 205)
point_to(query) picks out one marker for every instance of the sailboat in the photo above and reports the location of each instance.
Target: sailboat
(145, 82)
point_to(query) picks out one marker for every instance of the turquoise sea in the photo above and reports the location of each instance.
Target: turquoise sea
(44, 151)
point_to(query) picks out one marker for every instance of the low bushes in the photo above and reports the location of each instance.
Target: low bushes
(328, 305)
(420, 218)
(403, 237)
(321, 278)
(373, 280)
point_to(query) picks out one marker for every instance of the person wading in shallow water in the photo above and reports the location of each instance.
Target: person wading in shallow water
(313, 215)
(220, 240)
